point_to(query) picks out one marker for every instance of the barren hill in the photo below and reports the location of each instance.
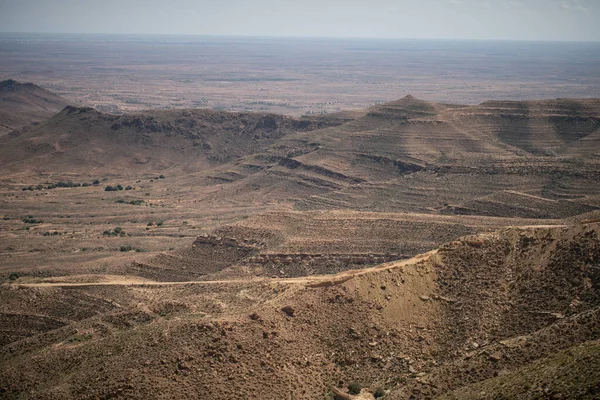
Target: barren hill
(22, 104)
(445, 324)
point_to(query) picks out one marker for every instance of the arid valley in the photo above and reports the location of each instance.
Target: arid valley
(261, 219)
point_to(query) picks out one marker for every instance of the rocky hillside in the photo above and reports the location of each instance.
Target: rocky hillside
(483, 316)
(184, 140)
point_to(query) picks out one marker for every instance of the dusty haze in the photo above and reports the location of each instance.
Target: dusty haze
(562, 20)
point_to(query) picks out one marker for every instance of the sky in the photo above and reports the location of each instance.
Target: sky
(554, 20)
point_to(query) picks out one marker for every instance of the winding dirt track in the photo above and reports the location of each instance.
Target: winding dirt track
(310, 281)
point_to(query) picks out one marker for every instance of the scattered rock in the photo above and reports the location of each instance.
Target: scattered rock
(289, 311)
(255, 317)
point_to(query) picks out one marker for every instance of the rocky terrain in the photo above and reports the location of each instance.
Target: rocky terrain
(411, 250)
(455, 323)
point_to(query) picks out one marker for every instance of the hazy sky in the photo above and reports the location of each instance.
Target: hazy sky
(472, 19)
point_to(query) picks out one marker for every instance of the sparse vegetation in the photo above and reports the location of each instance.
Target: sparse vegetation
(80, 338)
(30, 220)
(114, 232)
(110, 188)
(354, 388)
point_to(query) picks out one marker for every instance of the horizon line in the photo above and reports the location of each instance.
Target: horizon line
(294, 37)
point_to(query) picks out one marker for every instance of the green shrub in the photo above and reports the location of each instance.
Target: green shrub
(161, 177)
(13, 276)
(160, 223)
(109, 189)
(136, 202)
(379, 392)
(96, 182)
(354, 388)
(125, 248)
(129, 188)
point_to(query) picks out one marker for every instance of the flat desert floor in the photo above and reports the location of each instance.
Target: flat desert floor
(293, 76)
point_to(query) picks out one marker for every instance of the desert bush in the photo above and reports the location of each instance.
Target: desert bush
(31, 220)
(68, 184)
(96, 182)
(115, 232)
(129, 188)
(13, 276)
(354, 388)
(137, 202)
(379, 393)
(125, 248)
(109, 189)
